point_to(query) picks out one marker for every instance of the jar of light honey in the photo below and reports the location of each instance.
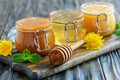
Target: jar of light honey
(34, 34)
(99, 17)
(67, 26)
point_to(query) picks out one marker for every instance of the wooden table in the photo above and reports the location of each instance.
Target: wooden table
(105, 67)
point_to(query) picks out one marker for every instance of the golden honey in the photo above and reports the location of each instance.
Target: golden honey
(34, 34)
(67, 26)
(99, 17)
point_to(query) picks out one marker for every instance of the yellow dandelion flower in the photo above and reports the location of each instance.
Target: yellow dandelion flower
(5, 47)
(93, 41)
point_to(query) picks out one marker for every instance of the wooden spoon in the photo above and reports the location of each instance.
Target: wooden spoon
(63, 53)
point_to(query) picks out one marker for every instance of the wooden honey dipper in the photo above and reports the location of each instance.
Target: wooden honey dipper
(63, 53)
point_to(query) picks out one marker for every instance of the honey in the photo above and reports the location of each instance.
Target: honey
(34, 34)
(99, 17)
(67, 26)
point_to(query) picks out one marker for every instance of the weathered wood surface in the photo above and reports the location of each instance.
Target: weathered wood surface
(80, 55)
(106, 67)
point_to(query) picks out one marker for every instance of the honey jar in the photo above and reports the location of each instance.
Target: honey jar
(99, 17)
(67, 26)
(34, 34)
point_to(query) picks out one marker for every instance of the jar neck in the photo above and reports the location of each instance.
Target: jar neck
(47, 29)
(33, 24)
(97, 8)
(68, 22)
(66, 16)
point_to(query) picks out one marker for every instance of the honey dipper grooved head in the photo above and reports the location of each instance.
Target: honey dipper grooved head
(60, 55)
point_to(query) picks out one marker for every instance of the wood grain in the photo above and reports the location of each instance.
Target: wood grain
(105, 67)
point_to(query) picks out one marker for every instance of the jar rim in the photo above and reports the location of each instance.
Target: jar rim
(32, 24)
(109, 10)
(65, 14)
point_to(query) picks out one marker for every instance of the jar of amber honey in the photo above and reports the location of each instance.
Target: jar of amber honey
(99, 17)
(34, 34)
(67, 25)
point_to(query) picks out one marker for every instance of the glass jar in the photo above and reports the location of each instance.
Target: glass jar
(99, 17)
(67, 26)
(34, 34)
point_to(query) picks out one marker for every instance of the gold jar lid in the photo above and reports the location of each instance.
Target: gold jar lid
(33, 24)
(62, 16)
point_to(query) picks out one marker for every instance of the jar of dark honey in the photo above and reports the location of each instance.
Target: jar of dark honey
(34, 34)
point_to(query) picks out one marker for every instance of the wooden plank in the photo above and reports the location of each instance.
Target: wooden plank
(19, 10)
(22, 9)
(111, 71)
(45, 69)
(5, 7)
(86, 71)
(6, 73)
(92, 68)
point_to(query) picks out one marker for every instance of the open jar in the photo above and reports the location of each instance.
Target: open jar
(67, 25)
(34, 34)
(99, 17)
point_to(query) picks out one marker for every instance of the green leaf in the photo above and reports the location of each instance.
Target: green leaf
(34, 58)
(117, 32)
(26, 53)
(118, 25)
(26, 56)
(18, 57)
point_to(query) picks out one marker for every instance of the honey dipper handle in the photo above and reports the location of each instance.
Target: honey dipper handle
(77, 44)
